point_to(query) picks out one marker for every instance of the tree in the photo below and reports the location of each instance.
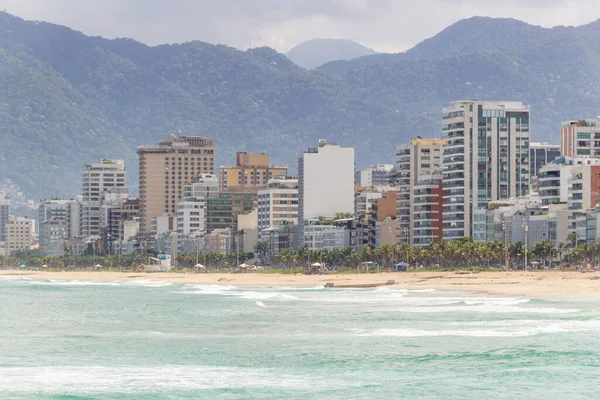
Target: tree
(262, 250)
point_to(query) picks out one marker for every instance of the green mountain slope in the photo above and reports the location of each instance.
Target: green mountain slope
(67, 99)
(316, 52)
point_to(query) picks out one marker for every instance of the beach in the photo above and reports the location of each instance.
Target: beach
(538, 284)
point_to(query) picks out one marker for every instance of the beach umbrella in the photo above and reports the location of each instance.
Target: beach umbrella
(316, 264)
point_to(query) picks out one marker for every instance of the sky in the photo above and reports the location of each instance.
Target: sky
(384, 25)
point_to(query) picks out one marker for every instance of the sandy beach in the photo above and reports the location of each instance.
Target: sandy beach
(547, 284)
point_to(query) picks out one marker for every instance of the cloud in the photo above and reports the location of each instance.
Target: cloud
(386, 25)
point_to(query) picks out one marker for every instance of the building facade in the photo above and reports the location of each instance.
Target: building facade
(420, 157)
(325, 181)
(251, 172)
(222, 211)
(540, 154)
(58, 223)
(580, 138)
(166, 169)
(97, 180)
(4, 212)
(278, 204)
(202, 187)
(190, 217)
(377, 174)
(426, 223)
(19, 234)
(485, 158)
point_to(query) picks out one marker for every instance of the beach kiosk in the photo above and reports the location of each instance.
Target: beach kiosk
(401, 267)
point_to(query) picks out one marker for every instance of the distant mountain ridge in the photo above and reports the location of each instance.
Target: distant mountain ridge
(67, 98)
(316, 52)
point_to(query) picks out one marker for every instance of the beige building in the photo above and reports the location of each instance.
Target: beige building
(166, 169)
(420, 157)
(250, 173)
(278, 204)
(19, 234)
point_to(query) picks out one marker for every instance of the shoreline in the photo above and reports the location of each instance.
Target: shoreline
(541, 284)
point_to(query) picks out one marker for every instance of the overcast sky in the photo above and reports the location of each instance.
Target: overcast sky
(385, 25)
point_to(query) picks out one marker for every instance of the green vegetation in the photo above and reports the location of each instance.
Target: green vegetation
(462, 254)
(70, 99)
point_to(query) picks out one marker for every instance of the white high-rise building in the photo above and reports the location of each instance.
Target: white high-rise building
(97, 179)
(486, 158)
(190, 217)
(325, 181)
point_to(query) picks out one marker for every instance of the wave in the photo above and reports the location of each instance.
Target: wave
(489, 308)
(513, 328)
(54, 282)
(163, 379)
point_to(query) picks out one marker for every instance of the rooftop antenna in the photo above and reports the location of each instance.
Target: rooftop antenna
(172, 133)
(179, 132)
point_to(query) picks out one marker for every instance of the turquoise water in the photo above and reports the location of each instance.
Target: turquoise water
(148, 340)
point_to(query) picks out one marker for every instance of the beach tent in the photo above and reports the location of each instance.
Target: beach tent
(22, 266)
(401, 266)
(98, 266)
(199, 267)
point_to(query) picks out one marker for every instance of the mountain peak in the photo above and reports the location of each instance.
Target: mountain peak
(316, 52)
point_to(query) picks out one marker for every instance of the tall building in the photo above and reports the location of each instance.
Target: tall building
(4, 210)
(377, 174)
(97, 179)
(486, 158)
(426, 217)
(580, 138)
(119, 213)
(190, 217)
(19, 234)
(222, 211)
(166, 169)
(420, 157)
(278, 204)
(58, 223)
(326, 181)
(250, 172)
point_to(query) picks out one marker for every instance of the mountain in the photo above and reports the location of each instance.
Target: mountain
(316, 52)
(67, 99)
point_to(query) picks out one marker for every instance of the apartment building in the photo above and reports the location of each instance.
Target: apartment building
(166, 169)
(96, 180)
(19, 234)
(325, 181)
(580, 138)
(278, 203)
(485, 158)
(420, 157)
(58, 223)
(427, 207)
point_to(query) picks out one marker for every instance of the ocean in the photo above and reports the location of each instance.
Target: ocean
(154, 340)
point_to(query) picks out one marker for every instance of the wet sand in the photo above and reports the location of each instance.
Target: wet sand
(546, 284)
